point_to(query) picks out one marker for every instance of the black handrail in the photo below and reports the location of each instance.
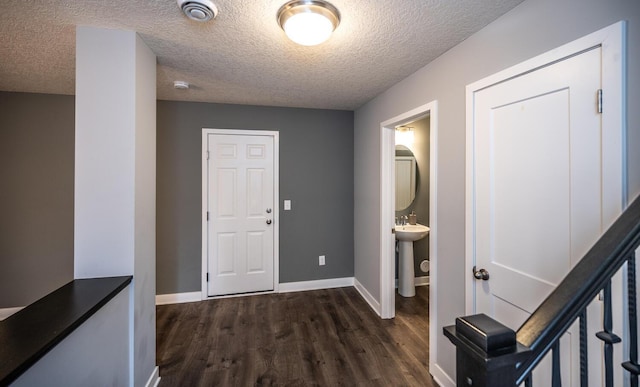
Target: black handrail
(565, 304)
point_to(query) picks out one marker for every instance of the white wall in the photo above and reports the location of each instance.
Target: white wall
(115, 176)
(144, 275)
(105, 153)
(532, 28)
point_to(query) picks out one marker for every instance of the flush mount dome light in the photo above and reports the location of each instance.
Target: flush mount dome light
(308, 22)
(198, 10)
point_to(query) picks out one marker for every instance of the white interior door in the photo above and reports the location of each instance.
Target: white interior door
(537, 189)
(240, 205)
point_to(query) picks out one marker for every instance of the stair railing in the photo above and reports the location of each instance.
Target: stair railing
(492, 355)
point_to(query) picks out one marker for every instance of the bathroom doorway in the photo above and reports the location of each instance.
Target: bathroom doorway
(388, 213)
(412, 205)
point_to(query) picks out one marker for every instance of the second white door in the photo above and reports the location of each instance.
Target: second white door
(240, 212)
(538, 168)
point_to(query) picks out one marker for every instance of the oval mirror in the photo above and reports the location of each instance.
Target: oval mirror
(406, 176)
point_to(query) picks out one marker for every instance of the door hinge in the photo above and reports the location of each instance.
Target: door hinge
(207, 216)
(599, 100)
(207, 277)
(207, 155)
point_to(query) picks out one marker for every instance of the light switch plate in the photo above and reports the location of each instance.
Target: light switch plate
(287, 205)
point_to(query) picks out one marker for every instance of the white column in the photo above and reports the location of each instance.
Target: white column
(115, 171)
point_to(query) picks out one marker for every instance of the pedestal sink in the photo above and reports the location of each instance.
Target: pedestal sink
(406, 235)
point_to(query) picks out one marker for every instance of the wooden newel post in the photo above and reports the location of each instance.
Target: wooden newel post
(486, 352)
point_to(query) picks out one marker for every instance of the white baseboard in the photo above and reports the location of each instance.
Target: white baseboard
(154, 379)
(315, 285)
(419, 281)
(441, 377)
(373, 303)
(178, 298)
(6, 312)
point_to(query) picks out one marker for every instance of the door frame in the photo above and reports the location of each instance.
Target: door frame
(387, 215)
(614, 174)
(276, 205)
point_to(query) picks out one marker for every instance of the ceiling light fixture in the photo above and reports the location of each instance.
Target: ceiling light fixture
(308, 22)
(198, 10)
(404, 136)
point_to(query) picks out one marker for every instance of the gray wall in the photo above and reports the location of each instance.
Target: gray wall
(532, 28)
(36, 199)
(420, 205)
(316, 174)
(36, 195)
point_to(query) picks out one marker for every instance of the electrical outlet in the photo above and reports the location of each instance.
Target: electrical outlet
(321, 260)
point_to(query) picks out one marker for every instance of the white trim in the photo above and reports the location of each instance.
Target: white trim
(387, 196)
(203, 215)
(469, 198)
(441, 377)
(614, 181)
(433, 235)
(6, 312)
(315, 285)
(178, 298)
(154, 379)
(387, 212)
(276, 201)
(237, 295)
(418, 281)
(387, 216)
(371, 300)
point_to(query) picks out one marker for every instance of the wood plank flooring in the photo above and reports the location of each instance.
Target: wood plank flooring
(316, 338)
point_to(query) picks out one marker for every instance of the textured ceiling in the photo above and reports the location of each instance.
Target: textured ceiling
(243, 57)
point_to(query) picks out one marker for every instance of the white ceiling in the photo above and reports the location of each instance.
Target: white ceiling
(243, 57)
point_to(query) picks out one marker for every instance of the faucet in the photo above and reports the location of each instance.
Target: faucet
(402, 220)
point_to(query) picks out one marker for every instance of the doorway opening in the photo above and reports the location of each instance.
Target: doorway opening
(388, 213)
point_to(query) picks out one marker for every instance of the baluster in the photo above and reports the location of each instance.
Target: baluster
(632, 365)
(584, 373)
(556, 379)
(607, 336)
(528, 382)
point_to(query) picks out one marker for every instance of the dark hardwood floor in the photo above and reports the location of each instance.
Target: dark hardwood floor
(315, 338)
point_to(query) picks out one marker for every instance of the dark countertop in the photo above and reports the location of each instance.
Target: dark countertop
(29, 334)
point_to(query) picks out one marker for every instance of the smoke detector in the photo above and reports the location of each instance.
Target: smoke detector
(181, 85)
(198, 10)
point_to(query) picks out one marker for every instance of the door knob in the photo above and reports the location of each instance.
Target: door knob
(481, 274)
(268, 210)
(268, 221)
